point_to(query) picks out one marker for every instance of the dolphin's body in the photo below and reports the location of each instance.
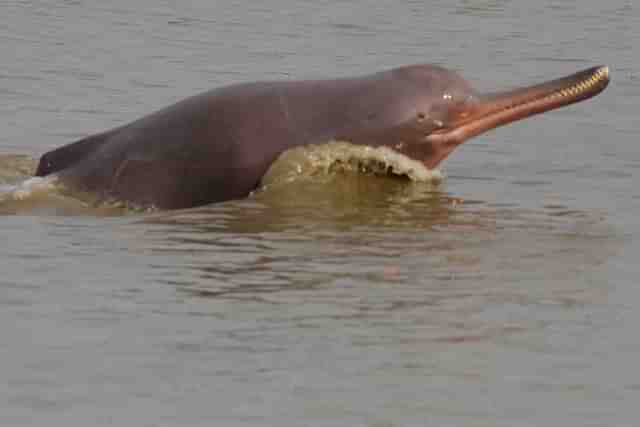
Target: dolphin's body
(217, 145)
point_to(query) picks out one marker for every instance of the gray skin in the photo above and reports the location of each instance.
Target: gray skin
(217, 145)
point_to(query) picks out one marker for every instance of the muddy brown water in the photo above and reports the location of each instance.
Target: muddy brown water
(504, 296)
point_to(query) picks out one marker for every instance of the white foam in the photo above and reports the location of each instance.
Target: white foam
(308, 160)
(31, 187)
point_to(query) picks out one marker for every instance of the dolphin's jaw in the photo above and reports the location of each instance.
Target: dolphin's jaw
(499, 109)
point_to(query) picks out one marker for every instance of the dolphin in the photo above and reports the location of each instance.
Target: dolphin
(217, 145)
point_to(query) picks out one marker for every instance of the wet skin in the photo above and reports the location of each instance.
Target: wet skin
(217, 145)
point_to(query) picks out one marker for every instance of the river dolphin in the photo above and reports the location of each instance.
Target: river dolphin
(217, 145)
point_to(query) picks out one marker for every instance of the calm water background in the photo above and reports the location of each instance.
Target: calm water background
(507, 298)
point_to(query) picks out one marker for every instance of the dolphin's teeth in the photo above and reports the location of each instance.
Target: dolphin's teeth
(583, 85)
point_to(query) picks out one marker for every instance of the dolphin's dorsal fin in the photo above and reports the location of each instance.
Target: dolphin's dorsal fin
(68, 155)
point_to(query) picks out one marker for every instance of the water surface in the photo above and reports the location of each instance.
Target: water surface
(503, 296)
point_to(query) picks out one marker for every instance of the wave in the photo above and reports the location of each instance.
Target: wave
(297, 168)
(312, 161)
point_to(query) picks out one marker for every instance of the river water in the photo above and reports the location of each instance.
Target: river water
(506, 296)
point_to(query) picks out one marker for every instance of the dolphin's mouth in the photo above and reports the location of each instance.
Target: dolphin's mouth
(498, 109)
